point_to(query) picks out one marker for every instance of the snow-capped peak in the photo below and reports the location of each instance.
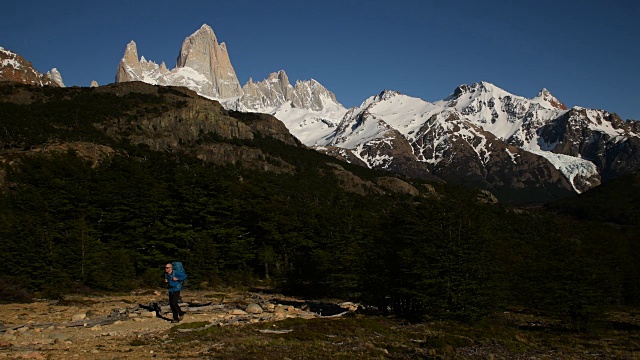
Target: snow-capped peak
(382, 96)
(475, 90)
(386, 95)
(544, 97)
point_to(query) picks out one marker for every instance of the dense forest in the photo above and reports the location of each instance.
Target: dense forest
(70, 224)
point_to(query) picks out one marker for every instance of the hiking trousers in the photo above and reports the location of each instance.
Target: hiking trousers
(173, 303)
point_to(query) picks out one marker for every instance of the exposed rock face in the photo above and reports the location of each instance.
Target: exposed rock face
(129, 68)
(203, 65)
(266, 125)
(54, 75)
(348, 181)
(133, 69)
(267, 95)
(545, 96)
(202, 53)
(189, 118)
(14, 67)
(164, 119)
(397, 186)
(485, 197)
(612, 144)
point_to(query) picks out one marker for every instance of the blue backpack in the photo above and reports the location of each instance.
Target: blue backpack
(177, 266)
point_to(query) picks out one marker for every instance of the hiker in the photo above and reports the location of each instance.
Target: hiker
(174, 279)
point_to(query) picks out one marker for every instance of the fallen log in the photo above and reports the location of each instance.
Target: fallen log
(267, 331)
(91, 323)
(32, 326)
(194, 305)
(336, 315)
(203, 309)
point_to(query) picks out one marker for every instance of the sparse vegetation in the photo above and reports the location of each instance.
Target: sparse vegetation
(370, 337)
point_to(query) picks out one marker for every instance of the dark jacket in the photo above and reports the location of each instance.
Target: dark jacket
(175, 285)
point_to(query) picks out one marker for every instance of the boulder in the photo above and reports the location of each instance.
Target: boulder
(79, 316)
(8, 337)
(349, 306)
(58, 337)
(253, 308)
(307, 315)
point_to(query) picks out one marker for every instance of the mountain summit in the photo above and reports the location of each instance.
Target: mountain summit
(545, 96)
(203, 65)
(202, 53)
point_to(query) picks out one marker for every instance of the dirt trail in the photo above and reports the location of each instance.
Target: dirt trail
(65, 329)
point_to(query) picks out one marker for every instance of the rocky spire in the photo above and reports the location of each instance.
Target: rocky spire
(129, 67)
(131, 53)
(202, 53)
(55, 76)
(163, 68)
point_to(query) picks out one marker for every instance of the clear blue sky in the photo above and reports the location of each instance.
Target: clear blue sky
(586, 53)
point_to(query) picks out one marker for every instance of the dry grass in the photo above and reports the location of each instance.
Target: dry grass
(504, 336)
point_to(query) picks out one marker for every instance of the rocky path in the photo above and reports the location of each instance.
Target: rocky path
(110, 327)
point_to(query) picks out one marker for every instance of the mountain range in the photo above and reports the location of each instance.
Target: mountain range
(480, 135)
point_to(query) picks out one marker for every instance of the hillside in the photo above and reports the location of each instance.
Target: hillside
(101, 186)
